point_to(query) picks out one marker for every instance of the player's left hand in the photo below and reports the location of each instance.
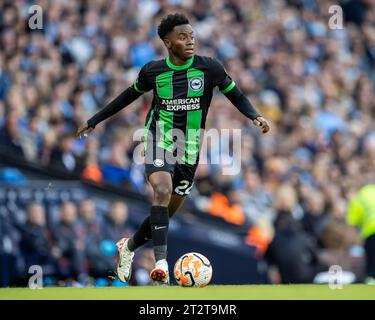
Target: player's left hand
(263, 123)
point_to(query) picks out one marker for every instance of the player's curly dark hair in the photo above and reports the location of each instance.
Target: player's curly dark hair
(168, 23)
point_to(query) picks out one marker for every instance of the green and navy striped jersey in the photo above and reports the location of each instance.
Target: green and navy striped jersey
(181, 98)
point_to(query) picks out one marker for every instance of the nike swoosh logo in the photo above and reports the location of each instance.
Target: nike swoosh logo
(157, 228)
(162, 85)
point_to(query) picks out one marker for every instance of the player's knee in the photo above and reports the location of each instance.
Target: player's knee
(163, 193)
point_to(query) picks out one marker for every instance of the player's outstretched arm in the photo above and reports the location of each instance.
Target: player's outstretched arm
(140, 86)
(229, 88)
(123, 100)
(242, 103)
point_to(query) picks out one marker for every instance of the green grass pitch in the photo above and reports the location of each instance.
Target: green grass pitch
(228, 292)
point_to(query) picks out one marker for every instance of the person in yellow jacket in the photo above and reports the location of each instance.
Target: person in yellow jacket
(361, 213)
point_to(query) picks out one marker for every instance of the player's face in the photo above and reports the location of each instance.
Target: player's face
(181, 41)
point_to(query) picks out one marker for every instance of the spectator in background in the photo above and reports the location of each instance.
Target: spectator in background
(71, 243)
(314, 217)
(255, 199)
(99, 262)
(10, 136)
(30, 139)
(361, 213)
(47, 146)
(293, 252)
(36, 243)
(9, 251)
(92, 171)
(341, 246)
(117, 169)
(227, 207)
(115, 226)
(63, 157)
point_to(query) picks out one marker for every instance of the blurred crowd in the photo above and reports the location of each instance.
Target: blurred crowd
(315, 84)
(78, 249)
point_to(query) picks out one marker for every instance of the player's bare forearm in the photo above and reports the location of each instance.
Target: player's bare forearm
(242, 103)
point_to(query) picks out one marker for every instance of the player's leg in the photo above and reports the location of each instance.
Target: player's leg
(154, 227)
(181, 188)
(182, 183)
(143, 234)
(175, 203)
(161, 183)
(158, 172)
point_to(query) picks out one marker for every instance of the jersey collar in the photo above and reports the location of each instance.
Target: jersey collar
(183, 67)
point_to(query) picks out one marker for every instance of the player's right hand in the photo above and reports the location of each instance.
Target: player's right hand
(83, 131)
